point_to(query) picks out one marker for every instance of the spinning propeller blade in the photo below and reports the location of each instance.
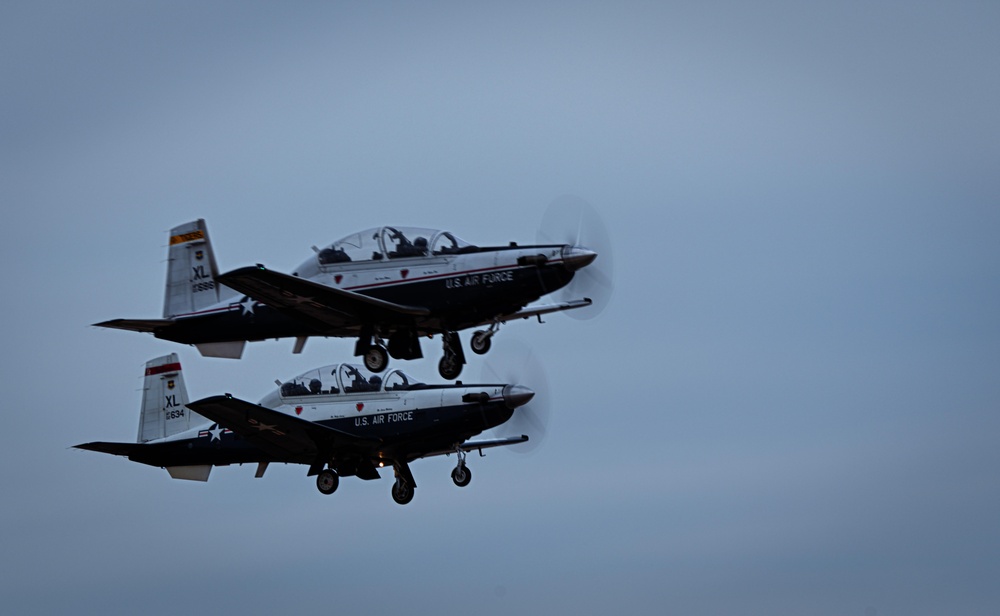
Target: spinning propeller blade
(571, 220)
(517, 364)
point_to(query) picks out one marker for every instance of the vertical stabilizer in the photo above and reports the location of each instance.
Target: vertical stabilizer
(191, 271)
(164, 397)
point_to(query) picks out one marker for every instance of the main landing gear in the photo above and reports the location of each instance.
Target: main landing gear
(453, 359)
(402, 344)
(402, 488)
(402, 491)
(327, 481)
(405, 345)
(376, 358)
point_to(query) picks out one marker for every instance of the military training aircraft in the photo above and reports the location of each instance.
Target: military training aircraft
(339, 420)
(385, 286)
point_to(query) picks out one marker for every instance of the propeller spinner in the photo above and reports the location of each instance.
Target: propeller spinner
(529, 397)
(572, 221)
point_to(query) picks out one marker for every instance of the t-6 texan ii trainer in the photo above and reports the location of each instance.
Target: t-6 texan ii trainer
(387, 287)
(339, 420)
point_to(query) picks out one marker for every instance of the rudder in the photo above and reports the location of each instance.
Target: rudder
(164, 399)
(191, 271)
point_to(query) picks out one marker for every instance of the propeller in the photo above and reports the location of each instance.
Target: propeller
(571, 220)
(516, 364)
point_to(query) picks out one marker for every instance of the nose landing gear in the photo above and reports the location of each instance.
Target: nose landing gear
(482, 340)
(461, 474)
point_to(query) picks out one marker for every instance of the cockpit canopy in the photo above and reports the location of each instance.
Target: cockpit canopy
(344, 379)
(388, 243)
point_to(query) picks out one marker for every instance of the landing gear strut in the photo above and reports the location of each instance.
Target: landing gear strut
(480, 342)
(461, 474)
(402, 489)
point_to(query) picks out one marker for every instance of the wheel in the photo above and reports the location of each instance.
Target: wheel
(376, 358)
(402, 493)
(480, 342)
(327, 481)
(448, 367)
(461, 475)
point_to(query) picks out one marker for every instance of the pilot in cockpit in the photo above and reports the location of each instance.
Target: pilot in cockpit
(332, 255)
(405, 248)
(358, 382)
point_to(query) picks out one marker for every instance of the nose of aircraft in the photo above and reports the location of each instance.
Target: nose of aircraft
(517, 395)
(576, 257)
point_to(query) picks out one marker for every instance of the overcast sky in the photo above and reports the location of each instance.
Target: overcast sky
(790, 405)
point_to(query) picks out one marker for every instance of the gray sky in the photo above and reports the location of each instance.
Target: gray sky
(790, 406)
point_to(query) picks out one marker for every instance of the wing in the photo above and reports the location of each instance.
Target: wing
(280, 435)
(480, 445)
(321, 305)
(537, 311)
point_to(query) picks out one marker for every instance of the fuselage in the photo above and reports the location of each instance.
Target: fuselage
(409, 421)
(459, 290)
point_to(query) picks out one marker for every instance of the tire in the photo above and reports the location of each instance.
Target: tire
(376, 358)
(449, 368)
(402, 493)
(461, 475)
(480, 343)
(327, 481)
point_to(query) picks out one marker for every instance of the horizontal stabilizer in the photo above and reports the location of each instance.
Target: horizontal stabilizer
(117, 449)
(147, 326)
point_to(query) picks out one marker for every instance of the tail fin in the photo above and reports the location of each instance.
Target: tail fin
(191, 271)
(164, 397)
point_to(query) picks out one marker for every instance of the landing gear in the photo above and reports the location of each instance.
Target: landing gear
(480, 342)
(376, 358)
(372, 350)
(402, 491)
(327, 481)
(448, 367)
(451, 362)
(461, 474)
(404, 344)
